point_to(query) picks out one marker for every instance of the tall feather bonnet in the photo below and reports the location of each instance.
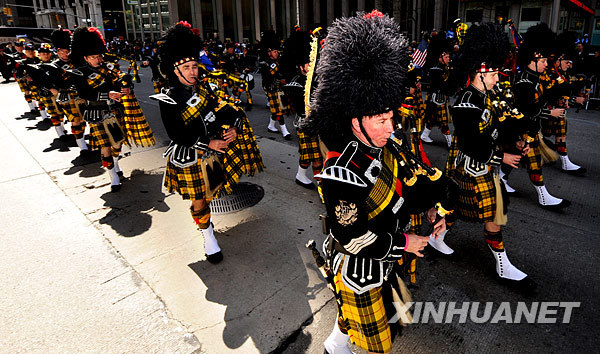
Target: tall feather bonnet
(484, 49)
(361, 72)
(179, 46)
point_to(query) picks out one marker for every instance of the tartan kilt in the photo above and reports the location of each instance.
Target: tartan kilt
(555, 126)
(364, 317)
(187, 182)
(136, 127)
(451, 157)
(71, 110)
(23, 85)
(50, 106)
(476, 197)
(274, 107)
(308, 148)
(436, 115)
(35, 93)
(533, 160)
(242, 157)
(98, 135)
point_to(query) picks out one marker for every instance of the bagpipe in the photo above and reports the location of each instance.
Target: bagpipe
(133, 69)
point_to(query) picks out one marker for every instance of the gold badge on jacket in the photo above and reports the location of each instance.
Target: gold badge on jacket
(346, 213)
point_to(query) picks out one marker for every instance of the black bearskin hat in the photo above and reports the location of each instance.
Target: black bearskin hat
(361, 72)
(86, 41)
(296, 52)
(565, 45)
(537, 43)
(61, 38)
(268, 40)
(179, 46)
(485, 49)
(438, 44)
(413, 76)
(298, 45)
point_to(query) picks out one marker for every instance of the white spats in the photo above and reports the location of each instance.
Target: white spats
(32, 105)
(286, 134)
(337, 342)
(60, 130)
(545, 198)
(567, 165)
(211, 246)
(116, 162)
(302, 177)
(115, 181)
(439, 244)
(505, 269)
(448, 139)
(272, 127)
(44, 114)
(425, 135)
(82, 144)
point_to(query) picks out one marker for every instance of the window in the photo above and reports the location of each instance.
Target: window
(531, 14)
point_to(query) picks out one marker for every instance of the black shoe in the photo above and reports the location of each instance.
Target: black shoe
(288, 137)
(215, 257)
(305, 185)
(35, 112)
(526, 286)
(115, 188)
(120, 174)
(557, 207)
(64, 137)
(578, 172)
(272, 131)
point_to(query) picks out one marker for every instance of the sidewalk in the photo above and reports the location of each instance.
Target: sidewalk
(128, 272)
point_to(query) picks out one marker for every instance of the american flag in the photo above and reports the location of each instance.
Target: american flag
(420, 54)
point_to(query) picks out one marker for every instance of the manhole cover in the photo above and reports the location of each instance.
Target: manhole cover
(244, 195)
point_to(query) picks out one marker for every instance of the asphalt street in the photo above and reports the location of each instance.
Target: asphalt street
(86, 270)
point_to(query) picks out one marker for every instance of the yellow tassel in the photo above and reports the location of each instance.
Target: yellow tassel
(548, 155)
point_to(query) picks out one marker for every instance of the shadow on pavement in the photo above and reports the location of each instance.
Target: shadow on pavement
(131, 206)
(263, 285)
(87, 164)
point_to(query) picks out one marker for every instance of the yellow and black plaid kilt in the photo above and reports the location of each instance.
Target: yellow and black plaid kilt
(35, 93)
(274, 105)
(53, 111)
(71, 110)
(533, 159)
(308, 148)
(98, 135)
(477, 196)
(451, 157)
(555, 126)
(365, 317)
(136, 127)
(23, 85)
(436, 115)
(187, 182)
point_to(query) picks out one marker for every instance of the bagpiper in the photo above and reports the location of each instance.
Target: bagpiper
(297, 50)
(273, 82)
(44, 78)
(438, 72)
(531, 100)
(110, 107)
(66, 94)
(563, 95)
(477, 147)
(371, 182)
(212, 143)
